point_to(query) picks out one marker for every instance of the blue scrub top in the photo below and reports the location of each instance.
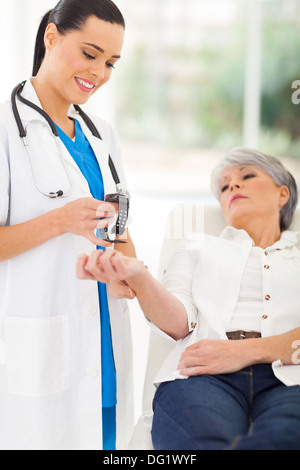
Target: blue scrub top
(85, 158)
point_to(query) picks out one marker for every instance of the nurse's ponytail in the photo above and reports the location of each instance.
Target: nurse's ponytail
(71, 15)
(40, 50)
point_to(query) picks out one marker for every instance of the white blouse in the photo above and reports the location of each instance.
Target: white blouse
(247, 313)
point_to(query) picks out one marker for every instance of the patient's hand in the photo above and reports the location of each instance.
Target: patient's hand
(216, 357)
(109, 267)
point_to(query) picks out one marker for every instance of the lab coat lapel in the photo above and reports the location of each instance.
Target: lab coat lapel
(100, 147)
(26, 112)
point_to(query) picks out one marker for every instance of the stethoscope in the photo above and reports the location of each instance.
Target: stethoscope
(23, 134)
(120, 196)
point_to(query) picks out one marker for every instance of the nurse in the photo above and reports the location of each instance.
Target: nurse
(65, 364)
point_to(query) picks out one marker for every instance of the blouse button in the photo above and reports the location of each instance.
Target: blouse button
(267, 297)
(266, 253)
(266, 266)
(264, 317)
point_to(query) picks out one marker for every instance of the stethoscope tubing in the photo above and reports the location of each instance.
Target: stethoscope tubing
(16, 94)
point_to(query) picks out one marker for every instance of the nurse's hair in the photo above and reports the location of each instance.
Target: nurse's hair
(243, 157)
(71, 15)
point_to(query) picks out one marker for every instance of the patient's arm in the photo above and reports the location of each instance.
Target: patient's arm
(157, 303)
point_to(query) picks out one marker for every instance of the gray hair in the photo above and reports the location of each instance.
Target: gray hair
(240, 157)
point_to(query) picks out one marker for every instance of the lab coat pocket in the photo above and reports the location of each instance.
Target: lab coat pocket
(38, 355)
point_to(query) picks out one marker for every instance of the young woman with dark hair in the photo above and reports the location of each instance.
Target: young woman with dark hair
(71, 16)
(64, 345)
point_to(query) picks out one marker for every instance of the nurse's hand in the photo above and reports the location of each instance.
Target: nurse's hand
(109, 267)
(116, 289)
(83, 216)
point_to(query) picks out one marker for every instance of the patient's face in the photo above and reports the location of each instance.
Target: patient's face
(249, 192)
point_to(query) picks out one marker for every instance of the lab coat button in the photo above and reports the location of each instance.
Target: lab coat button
(264, 317)
(85, 189)
(93, 373)
(92, 311)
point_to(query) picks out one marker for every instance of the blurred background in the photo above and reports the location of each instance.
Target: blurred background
(197, 77)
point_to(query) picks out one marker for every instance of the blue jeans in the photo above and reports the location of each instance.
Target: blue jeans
(247, 410)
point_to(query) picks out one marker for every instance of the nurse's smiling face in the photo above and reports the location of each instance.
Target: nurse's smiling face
(81, 61)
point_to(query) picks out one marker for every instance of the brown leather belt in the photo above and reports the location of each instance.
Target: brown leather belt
(242, 334)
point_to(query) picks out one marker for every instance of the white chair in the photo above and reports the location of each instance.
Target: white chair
(183, 219)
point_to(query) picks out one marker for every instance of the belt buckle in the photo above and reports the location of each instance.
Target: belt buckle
(241, 334)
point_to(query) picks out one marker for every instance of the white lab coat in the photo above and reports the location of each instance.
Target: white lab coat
(50, 357)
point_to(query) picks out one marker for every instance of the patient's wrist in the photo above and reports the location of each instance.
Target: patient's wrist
(139, 280)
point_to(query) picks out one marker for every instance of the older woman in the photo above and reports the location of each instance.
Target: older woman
(241, 285)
